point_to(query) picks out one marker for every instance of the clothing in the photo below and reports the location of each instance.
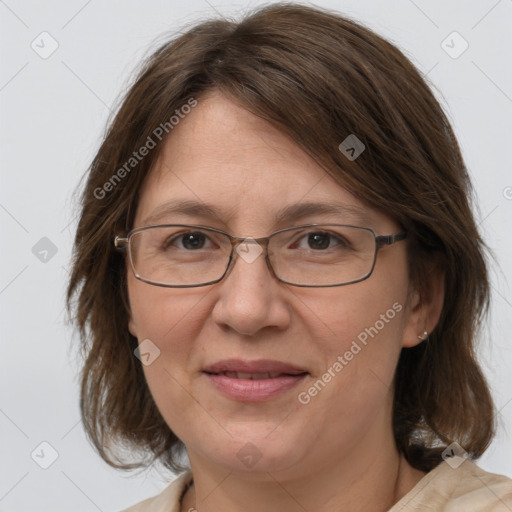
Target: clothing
(168, 500)
(467, 488)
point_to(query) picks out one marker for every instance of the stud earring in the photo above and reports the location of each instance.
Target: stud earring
(424, 336)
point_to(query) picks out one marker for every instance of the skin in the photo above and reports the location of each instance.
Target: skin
(335, 453)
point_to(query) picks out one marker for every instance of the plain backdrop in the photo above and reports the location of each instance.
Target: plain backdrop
(53, 114)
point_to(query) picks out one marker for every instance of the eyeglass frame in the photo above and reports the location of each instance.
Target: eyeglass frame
(121, 243)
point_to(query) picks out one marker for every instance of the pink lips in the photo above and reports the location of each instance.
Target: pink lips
(253, 381)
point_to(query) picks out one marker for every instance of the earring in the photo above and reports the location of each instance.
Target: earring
(424, 336)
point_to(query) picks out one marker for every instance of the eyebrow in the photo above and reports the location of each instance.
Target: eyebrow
(287, 214)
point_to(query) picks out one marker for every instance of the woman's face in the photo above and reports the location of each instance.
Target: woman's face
(345, 340)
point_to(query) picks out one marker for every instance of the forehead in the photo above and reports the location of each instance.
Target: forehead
(223, 141)
(243, 170)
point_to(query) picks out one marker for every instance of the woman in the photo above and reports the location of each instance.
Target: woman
(278, 273)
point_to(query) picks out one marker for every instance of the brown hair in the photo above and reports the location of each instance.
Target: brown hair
(318, 77)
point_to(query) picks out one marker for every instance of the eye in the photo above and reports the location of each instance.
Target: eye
(191, 240)
(321, 240)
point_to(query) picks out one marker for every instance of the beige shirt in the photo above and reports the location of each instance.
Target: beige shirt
(464, 489)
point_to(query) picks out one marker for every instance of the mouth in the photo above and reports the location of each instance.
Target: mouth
(255, 376)
(255, 381)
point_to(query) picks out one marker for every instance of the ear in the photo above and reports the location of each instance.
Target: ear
(132, 328)
(425, 305)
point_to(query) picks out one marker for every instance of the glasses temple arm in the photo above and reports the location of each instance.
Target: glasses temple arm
(390, 239)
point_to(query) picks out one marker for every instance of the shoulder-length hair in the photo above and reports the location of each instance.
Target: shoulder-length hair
(318, 77)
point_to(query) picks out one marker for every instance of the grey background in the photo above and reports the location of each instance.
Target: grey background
(53, 113)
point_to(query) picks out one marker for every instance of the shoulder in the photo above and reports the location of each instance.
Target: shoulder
(168, 500)
(466, 487)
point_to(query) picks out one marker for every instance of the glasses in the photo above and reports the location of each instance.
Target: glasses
(310, 255)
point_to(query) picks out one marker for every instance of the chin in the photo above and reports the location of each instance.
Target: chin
(256, 451)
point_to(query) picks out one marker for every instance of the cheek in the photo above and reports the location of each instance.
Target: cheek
(361, 312)
(369, 344)
(358, 332)
(171, 320)
(164, 315)
(359, 338)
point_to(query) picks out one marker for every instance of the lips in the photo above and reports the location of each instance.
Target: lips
(261, 369)
(251, 376)
(253, 381)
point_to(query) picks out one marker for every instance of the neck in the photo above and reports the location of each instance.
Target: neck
(361, 483)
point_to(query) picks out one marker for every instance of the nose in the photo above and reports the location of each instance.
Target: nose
(250, 298)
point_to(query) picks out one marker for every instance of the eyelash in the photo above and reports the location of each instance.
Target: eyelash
(333, 237)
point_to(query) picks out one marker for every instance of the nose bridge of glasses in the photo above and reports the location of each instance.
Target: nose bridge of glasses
(245, 244)
(237, 240)
(248, 248)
